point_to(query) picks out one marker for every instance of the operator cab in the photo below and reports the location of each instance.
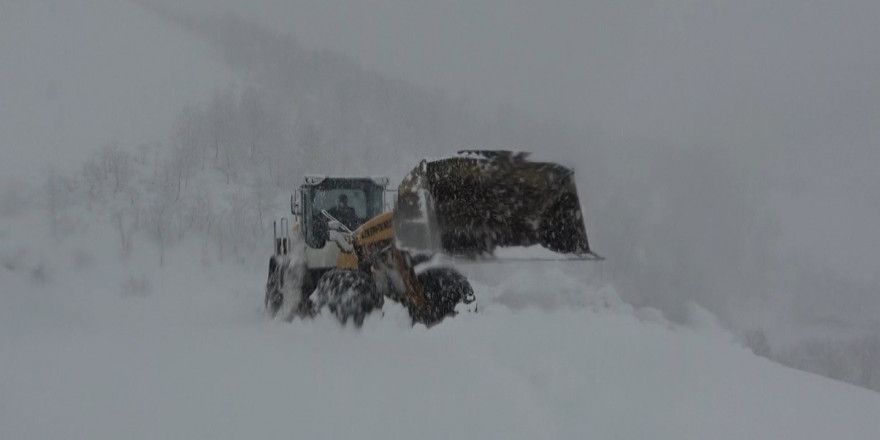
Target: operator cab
(350, 200)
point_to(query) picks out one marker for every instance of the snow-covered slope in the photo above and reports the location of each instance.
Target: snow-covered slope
(95, 348)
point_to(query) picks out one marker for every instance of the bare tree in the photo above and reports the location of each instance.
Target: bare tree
(124, 230)
(190, 138)
(119, 166)
(263, 198)
(221, 114)
(254, 115)
(56, 200)
(109, 169)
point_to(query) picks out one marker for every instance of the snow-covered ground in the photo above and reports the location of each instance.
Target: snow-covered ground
(96, 348)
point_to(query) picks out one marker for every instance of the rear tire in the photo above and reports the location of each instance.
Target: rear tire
(274, 284)
(347, 294)
(444, 289)
(285, 295)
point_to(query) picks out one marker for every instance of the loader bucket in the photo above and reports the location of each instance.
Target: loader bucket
(477, 201)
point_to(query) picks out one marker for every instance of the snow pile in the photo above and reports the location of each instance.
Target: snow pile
(523, 289)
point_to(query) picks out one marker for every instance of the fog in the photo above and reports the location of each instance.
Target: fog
(683, 71)
(726, 151)
(783, 94)
(81, 73)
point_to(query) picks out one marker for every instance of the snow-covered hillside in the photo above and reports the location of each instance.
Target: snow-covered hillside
(96, 348)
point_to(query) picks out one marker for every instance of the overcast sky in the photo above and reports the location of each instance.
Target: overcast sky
(747, 73)
(786, 71)
(77, 74)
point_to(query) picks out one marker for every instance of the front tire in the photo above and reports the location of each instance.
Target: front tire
(444, 289)
(285, 298)
(347, 294)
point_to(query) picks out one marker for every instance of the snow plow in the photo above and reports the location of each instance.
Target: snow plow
(346, 253)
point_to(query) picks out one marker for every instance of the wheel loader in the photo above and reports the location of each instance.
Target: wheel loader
(345, 253)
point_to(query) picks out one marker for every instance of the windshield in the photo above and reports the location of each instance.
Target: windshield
(351, 201)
